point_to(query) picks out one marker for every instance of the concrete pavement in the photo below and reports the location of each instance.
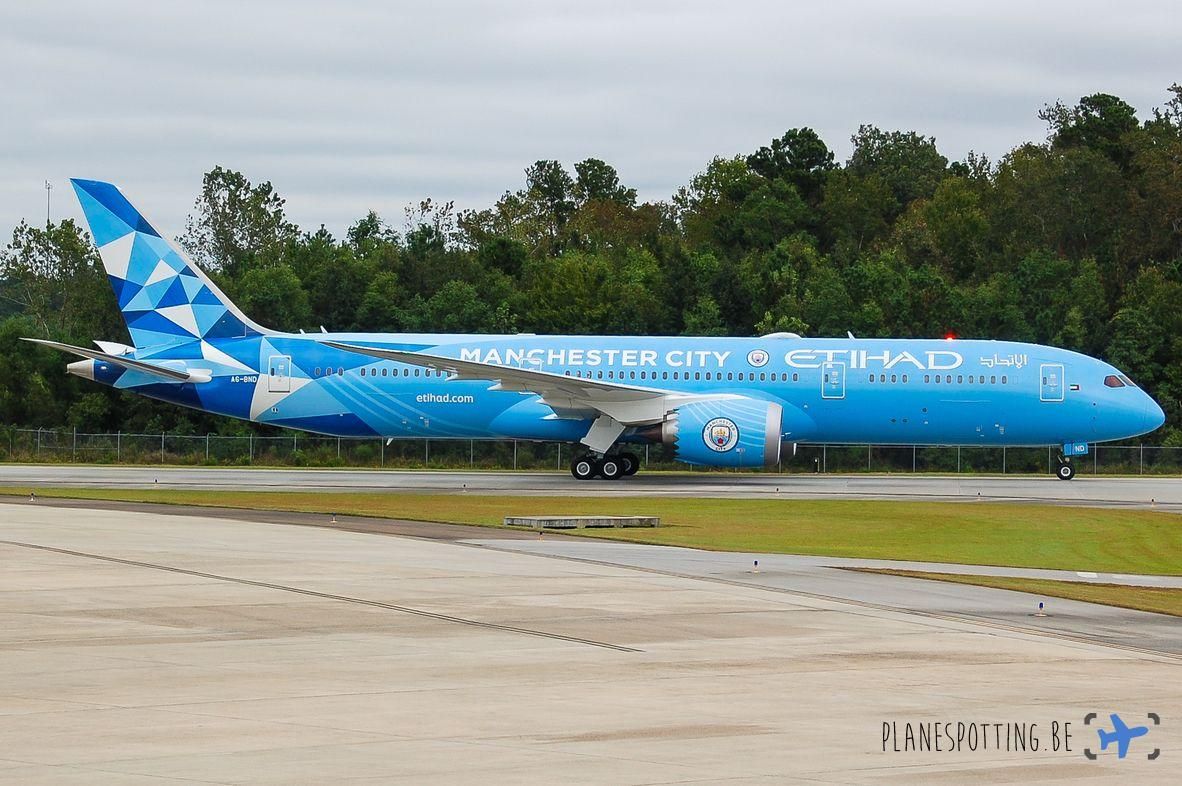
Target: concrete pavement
(142, 648)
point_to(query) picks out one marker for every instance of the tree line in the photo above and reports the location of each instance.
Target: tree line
(1075, 241)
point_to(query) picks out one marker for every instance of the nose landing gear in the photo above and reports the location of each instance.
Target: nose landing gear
(1065, 469)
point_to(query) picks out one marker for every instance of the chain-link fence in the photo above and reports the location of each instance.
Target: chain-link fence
(299, 449)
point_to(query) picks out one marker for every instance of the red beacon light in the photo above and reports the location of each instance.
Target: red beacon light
(949, 336)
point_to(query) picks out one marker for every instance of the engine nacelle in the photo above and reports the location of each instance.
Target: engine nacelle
(738, 432)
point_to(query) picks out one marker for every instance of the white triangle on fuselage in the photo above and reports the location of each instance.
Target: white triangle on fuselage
(215, 355)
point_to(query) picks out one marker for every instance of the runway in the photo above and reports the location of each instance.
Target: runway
(139, 646)
(1163, 492)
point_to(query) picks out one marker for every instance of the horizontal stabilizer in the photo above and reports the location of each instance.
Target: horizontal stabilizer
(171, 374)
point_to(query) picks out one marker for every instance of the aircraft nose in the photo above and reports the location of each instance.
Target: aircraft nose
(1154, 415)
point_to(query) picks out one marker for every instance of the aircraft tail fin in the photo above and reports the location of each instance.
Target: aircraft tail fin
(164, 297)
(1105, 738)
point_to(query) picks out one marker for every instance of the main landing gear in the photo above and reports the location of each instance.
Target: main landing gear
(1065, 470)
(612, 466)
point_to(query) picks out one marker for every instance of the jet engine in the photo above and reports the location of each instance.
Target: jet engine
(737, 432)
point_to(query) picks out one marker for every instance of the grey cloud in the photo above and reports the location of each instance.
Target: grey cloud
(363, 105)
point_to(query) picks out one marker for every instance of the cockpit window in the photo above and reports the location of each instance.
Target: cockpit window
(1113, 381)
(1126, 380)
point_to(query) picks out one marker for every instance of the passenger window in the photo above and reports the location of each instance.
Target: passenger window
(959, 379)
(948, 379)
(730, 375)
(416, 372)
(927, 377)
(894, 378)
(871, 377)
(1110, 381)
(763, 376)
(937, 379)
(340, 372)
(385, 372)
(363, 372)
(317, 371)
(904, 379)
(1004, 379)
(698, 375)
(795, 377)
(993, 379)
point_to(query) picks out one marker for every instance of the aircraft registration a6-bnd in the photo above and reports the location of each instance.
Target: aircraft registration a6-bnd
(726, 402)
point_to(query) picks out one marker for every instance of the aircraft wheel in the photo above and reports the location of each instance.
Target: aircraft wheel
(611, 468)
(630, 461)
(1065, 471)
(583, 467)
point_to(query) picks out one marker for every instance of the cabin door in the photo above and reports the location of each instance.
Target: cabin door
(279, 374)
(832, 379)
(1051, 383)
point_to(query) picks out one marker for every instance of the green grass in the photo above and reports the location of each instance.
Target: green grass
(1163, 600)
(1036, 536)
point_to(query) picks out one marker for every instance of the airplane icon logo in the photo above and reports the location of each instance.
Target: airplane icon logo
(1122, 734)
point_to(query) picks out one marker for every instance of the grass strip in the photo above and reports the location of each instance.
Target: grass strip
(978, 533)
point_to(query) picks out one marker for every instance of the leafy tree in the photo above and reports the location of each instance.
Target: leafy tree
(54, 276)
(907, 163)
(274, 297)
(235, 223)
(703, 318)
(599, 181)
(798, 157)
(1099, 122)
(855, 210)
(959, 226)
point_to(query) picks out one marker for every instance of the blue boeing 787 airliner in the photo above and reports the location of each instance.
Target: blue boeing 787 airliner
(715, 401)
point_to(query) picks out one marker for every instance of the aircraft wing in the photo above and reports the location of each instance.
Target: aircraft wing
(1118, 725)
(614, 405)
(170, 374)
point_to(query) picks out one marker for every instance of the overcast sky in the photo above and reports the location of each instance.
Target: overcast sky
(371, 104)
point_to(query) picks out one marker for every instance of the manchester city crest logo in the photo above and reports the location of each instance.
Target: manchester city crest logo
(757, 358)
(721, 434)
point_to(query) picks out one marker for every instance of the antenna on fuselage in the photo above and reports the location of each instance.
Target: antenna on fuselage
(850, 334)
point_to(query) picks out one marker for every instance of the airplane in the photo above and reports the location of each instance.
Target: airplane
(1121, 734)
(720, 402)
